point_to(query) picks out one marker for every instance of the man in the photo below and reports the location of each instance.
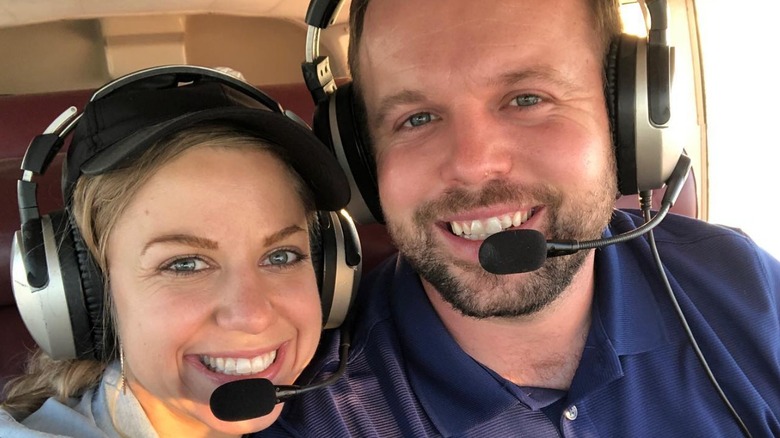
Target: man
(491, 115)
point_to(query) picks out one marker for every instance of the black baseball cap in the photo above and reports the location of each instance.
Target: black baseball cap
(118, 126)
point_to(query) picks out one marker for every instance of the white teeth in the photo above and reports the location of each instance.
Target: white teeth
(239, 366)
(456, 228)
(477, 227)
(480, 229)
(259, 363)
(243, 366)
(518, 218)
(493, 225)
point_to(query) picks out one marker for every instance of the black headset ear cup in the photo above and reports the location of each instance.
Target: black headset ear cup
(610, 83)
(93, 286)
(340, 123)
(620, 72)
(315, 246)
(83, 284)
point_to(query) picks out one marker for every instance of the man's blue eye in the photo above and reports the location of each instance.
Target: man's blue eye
(527, 100)
(419, 119)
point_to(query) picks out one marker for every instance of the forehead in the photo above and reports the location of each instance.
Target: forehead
(430, 17)
(245, 176)
(453, 35)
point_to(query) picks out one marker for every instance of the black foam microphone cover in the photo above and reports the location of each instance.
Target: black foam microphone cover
(243, 399)
(513, 252)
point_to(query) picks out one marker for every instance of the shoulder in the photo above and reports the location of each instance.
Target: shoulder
(75, 417)
(726, 284)
(710, 262)
(681, 238)
(10, 428)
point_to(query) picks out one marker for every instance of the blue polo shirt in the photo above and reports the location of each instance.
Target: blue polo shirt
(638, 376)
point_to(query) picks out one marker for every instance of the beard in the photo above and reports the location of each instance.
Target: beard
(470, 289)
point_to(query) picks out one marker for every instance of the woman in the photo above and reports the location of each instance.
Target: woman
(198, 213)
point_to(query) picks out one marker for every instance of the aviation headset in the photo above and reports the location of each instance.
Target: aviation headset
(638, 85)
(57, 284)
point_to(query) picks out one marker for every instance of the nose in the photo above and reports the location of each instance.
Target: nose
(244, 304)
(481, 148)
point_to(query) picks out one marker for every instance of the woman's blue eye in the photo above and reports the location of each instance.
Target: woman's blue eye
(526, 100)
(418, 119)
(186, 265)
(283, 257)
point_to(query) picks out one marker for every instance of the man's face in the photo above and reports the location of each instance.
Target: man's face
(486, 118)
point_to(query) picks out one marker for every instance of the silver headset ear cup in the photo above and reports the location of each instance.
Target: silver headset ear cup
(646, 153)
(657, 149)
(341, 266)
(61, 316)
(45, 311)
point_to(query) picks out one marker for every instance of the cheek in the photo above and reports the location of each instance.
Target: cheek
(572, 153)
(147, 329)
(303, 313)
(404, 178)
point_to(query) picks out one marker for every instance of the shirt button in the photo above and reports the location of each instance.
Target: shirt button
(570, 413)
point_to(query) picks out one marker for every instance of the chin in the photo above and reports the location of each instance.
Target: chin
(247, 426)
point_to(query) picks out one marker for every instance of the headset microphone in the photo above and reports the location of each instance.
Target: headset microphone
(525, 250)
(252, 398)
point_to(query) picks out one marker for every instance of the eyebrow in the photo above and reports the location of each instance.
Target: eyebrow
(201, 242)
(387, 104)
(542, 73)
(281, 234)
(185, 239)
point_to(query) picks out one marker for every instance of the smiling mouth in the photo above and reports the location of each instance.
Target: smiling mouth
(481, 229)
(238, 366)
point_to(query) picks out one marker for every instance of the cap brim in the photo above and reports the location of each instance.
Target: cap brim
(308, 155)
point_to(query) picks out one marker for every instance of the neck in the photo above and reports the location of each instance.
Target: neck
(166, 422)
(539, 350)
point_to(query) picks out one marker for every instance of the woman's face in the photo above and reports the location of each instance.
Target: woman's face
(210, 274)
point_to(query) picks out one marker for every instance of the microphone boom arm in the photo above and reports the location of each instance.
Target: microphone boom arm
(286, 392)
(674, 186)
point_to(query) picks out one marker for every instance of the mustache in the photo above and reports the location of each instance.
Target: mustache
(456, 200)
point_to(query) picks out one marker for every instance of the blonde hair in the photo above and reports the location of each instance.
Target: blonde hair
(97, 204)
